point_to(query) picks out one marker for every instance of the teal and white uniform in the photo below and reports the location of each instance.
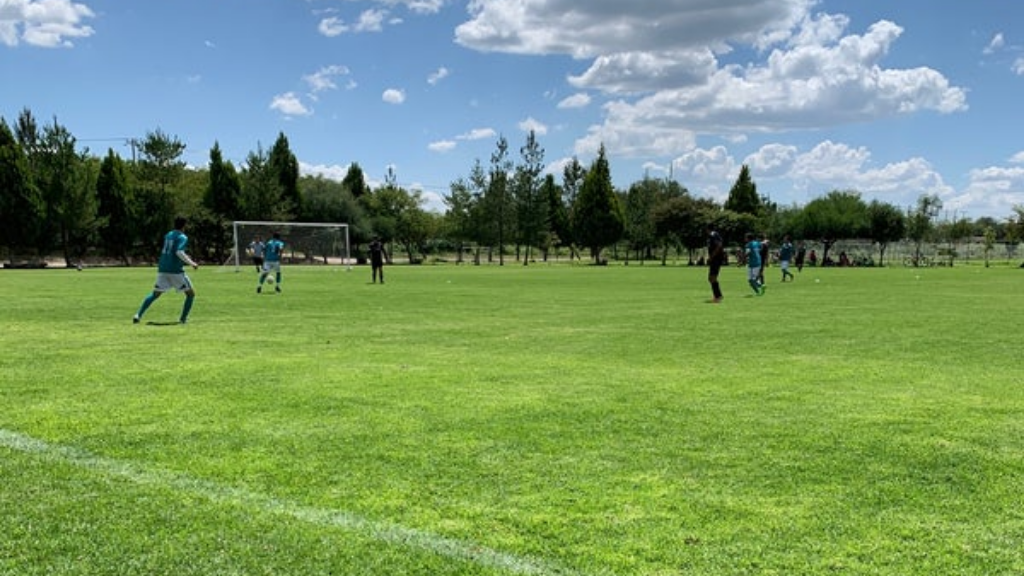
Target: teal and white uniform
(272, 256)
(753, 251)
(171, 268)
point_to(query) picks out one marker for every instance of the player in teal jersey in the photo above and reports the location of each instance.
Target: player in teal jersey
(785, 255)
(272, 262)
(171, 272)
(753, 251)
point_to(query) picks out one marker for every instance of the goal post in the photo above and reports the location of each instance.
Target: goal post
(305, 242)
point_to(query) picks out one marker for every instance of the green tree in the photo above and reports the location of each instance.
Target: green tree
(459, 214)
(836, 216)
(886, 224)
(953, 232)
(283, 164)
(531, 214)
(21, 205)
(497, 196)
(158, 170)
(1014, 231)
(597, 218)
(573, 175)
(116, 208)
(743, 198)
(223, 199)
(558, 216)
(355, 181)
(63, 177)
(640, 231)
(261, 190)
(223, 194)
(920, 223)
(990, 242)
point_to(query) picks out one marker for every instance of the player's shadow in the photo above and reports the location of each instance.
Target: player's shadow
(162, 323)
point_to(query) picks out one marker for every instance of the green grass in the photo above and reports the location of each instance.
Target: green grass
(541, 420)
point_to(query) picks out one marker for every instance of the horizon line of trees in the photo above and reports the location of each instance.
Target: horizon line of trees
(58, 200)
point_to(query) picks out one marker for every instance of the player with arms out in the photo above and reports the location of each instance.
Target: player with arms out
(171, 272)
(272, 262)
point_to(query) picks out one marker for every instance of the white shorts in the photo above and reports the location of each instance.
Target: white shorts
(166, 282)
(784, 264)
(269, 266)
(753, 273)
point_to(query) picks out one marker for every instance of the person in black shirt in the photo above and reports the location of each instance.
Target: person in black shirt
(377, 257)
(716, 257)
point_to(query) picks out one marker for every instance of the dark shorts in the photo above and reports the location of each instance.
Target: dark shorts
(714, 268)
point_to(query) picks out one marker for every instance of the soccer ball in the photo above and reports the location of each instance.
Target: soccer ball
(270, 279)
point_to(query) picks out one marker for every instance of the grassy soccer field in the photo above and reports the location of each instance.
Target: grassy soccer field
(508, 420)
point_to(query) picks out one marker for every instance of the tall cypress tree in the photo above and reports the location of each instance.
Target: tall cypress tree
(743, 198)
(597, 219)
(285, 167)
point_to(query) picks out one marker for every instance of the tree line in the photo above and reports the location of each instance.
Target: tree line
(57, 200)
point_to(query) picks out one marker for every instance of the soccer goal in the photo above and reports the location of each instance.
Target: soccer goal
(323, 243)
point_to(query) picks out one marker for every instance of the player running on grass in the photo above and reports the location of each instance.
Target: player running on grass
(171, 272)
(272, 261)
(753, 250)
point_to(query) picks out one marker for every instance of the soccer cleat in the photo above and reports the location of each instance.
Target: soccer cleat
(277, 289)
(259, 289)
(135, 319)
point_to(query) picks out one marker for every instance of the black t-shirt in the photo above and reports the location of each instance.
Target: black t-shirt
(715, 252)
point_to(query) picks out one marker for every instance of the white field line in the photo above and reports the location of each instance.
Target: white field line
(221, 494)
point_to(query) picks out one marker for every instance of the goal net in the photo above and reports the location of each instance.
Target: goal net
(322, 243)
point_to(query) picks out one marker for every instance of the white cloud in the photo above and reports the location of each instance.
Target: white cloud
(334, 172)
(992, 190)
(578, 100)
(1017, 158)
(1018, 66)
(634, 72)
(369, 21)
(442, 146)
(478, 134)
(289, 104)
(43, 23)
(332, 26)
(668, 63)
(393, 96)
(995, 44)
(533, 125)
(807, 86)
(772, 160)
(438, 75)
(592, 29)
(323, 79)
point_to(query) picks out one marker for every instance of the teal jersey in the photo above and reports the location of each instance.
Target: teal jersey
(273, 251)
(174, 241)
(753, 254)
(786, 252)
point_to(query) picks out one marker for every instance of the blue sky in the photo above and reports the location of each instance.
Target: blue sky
(891, 99)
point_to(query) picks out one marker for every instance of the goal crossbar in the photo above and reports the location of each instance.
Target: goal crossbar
(240, 246)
